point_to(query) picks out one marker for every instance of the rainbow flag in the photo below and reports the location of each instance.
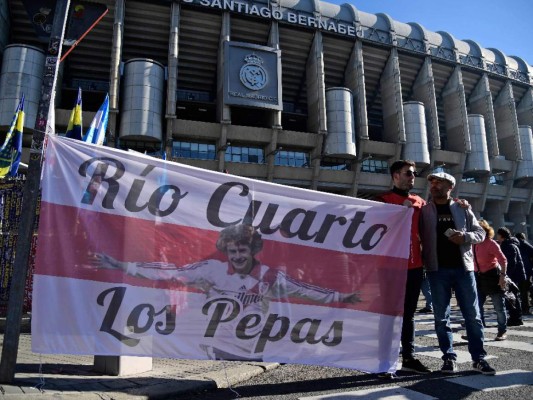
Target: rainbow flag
(11, 150)
(74, 128)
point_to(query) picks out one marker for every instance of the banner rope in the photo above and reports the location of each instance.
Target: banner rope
(40, 385)
(237, 394)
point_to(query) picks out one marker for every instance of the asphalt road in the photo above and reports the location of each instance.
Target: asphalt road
(513, 361)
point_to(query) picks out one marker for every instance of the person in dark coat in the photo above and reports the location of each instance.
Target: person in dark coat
(526, 251)
(515, 272)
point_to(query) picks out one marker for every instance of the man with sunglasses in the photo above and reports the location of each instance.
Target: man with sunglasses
(403, 175)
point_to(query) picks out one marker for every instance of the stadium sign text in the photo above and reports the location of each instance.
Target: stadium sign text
(279, 14)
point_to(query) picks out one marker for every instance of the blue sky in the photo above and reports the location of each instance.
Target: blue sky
(503, 24)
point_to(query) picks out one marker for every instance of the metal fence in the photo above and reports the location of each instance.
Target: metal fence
(11, 193)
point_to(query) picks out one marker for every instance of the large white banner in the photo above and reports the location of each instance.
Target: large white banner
(143, 257)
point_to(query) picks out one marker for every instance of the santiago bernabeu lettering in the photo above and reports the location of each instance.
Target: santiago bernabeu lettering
(292, 17)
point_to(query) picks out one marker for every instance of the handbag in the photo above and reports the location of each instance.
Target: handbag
(488, 282)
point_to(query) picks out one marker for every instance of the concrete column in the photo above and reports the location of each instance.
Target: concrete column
(222, 145)
(480, 102)
(424, 91)
(354, 80)
(509, 182)
(507, 124)
(457, 172)
(391, 99)
(316, 87)
(172, 82)
(273, 41)
(518, 216)
(271, 152)
(455, 113)
(316, 102)
(114, 73)
(357, 167)
(495, 214)
(485, 180)
(223, 111)
(524, 111)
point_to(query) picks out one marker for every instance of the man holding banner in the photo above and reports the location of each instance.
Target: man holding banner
(448, 232)
(403, 174)
(240, 284)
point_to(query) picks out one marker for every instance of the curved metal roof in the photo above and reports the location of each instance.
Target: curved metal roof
(384, 29)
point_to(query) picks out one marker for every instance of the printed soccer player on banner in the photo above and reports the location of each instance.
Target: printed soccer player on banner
(241, 283)
(210, 265)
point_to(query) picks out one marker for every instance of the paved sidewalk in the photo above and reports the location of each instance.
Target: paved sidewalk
(68, 377)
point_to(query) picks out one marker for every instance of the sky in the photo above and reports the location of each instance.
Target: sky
(506, 25)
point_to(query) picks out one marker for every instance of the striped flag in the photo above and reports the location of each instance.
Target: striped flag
(74, 129)
(96, 132)
(11, 150)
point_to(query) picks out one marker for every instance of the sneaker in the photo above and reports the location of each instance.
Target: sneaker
(414, 365)
(425, 310)
(484, 367)
(449, 367)
(464, 337)
(500, 337)
(515, 322)
(387, 375)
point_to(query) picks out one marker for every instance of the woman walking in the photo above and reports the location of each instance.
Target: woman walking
(491, 267)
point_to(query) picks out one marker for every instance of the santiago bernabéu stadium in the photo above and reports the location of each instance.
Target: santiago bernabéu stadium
(298, 92)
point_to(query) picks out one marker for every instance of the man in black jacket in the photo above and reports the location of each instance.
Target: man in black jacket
(515, 271)
(526, 251)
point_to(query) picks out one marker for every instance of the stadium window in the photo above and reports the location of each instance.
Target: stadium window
(196, 150)
(146, 147)
(470, 179)
(375, 166)
(496, 180)
(292, 158)
(245, 154)
(337, 164)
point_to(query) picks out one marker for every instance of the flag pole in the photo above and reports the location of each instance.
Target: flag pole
(30, 197)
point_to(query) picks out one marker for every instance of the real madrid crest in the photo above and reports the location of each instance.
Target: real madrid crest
(252, 73)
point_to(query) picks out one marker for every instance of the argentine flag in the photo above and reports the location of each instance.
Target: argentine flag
(96, 132)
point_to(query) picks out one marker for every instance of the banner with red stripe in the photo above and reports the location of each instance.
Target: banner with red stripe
(140, 256)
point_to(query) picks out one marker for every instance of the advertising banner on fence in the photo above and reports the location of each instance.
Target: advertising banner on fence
(143, 257)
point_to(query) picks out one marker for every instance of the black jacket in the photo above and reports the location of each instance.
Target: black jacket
(515, 266)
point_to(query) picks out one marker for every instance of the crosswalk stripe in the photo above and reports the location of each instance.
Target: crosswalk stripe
(387, 393)
(502, 380)
(463, 357)
(528, 334)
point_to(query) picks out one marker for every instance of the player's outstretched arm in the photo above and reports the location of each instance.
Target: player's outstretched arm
(104, 261)
(350, 298)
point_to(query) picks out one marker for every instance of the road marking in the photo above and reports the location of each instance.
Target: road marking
(502, 380)
(388, 393)
(463, 357)
(511, 332)
(456, 337)
(511, 344)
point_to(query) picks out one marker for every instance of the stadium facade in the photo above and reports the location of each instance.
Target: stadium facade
(298, 92)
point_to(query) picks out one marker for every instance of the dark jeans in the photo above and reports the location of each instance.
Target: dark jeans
(412, 293)
(463, 283)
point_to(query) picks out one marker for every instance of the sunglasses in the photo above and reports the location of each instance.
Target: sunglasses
(410, 173)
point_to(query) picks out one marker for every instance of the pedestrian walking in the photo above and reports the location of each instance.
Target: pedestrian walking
(491, 267)
(526, 252)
